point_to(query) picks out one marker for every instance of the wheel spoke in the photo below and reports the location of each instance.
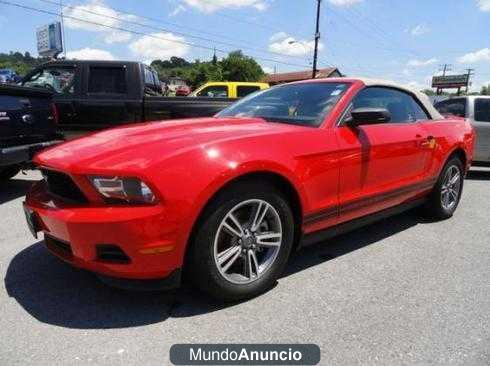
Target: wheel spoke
(260, 211)
(453, 193)
(454, 179)
(227, 254)
(231, 262)
(447, 199)
(254, 262)
(232, 224)
(269, 239)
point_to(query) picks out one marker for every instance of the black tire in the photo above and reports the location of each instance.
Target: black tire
(8, 172)
(201, 267)
(435, 208)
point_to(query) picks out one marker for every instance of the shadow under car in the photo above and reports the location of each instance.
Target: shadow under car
(56, 293)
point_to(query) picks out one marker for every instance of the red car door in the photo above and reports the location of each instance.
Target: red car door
(382, 165)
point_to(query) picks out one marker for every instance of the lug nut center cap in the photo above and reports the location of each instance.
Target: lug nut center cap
(247, 242)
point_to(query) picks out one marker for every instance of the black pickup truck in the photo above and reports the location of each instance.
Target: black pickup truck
(92, 95)
(28, 123)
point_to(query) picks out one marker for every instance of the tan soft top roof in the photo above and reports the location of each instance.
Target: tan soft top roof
(424, 99)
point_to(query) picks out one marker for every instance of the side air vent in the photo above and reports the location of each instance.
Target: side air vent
(111, 254)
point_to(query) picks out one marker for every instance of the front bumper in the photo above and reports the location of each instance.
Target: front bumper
(76, 233)
(23, 153)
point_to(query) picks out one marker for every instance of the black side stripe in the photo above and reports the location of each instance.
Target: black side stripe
(366, 201)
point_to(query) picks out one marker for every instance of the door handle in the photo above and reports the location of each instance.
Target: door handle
(429, 142)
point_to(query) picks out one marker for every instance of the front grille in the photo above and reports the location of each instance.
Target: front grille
(112, 254)
(62, 186)
(58, 247)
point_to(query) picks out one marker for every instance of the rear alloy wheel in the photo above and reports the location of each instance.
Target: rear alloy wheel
(451, 188)
(241, 249)
(446, 195)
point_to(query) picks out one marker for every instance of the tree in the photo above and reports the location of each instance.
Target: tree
(238, 67)
(235, 67)
(429, 92)
(485, 90)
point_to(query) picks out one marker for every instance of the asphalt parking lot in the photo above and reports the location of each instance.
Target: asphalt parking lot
(402, 291)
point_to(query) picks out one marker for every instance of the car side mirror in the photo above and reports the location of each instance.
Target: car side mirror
(368, 116)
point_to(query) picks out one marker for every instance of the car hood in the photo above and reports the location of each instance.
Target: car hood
(136, 147)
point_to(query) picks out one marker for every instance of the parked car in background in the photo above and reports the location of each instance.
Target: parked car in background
(9, 76)
(173, 84)
(227, 199)
(92, 95)
(182, 91)
(28, 123)
(477, 110)
(232, 90)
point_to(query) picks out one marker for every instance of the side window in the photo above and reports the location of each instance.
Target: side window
(456, 107)
(214, 92)
(402, 106)
(152, 83)
(107, 80)
(482, 110)
(57, 79)
(149, 77)
(243, 91)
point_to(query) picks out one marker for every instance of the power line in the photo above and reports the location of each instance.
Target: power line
(140, 33)
(372, 35)
(244, 21)
(172, 31)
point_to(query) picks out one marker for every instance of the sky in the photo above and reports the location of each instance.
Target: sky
(404, 41)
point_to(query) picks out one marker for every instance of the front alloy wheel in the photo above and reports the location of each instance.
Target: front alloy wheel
(248, 241)
(243, 242)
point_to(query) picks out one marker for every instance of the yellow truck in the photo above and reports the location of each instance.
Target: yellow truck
(228, 89)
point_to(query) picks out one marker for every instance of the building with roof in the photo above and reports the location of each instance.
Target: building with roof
(288, 77)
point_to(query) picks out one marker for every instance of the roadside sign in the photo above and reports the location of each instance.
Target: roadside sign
(49, 41)
(450, 81)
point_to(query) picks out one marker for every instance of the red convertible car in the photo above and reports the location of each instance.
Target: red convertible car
(226, 199)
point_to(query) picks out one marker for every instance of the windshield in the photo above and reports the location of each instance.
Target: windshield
(59, 80)
(304, 104)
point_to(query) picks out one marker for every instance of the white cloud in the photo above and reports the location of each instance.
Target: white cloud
(420, 29)
(210, 6)
(477, 56)
(422, 63)
(179, 9)
(421, 84)
(484, 5)
(159, 46)
(287, 45)
(108, 18)
(345, 3)
(278, 36)
(267, 69)
(90, 54)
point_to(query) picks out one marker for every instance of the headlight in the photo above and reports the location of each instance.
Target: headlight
(123, 190)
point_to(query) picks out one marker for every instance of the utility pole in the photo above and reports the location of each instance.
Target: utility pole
(470, 73)
(63, 38)
(317, 39)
